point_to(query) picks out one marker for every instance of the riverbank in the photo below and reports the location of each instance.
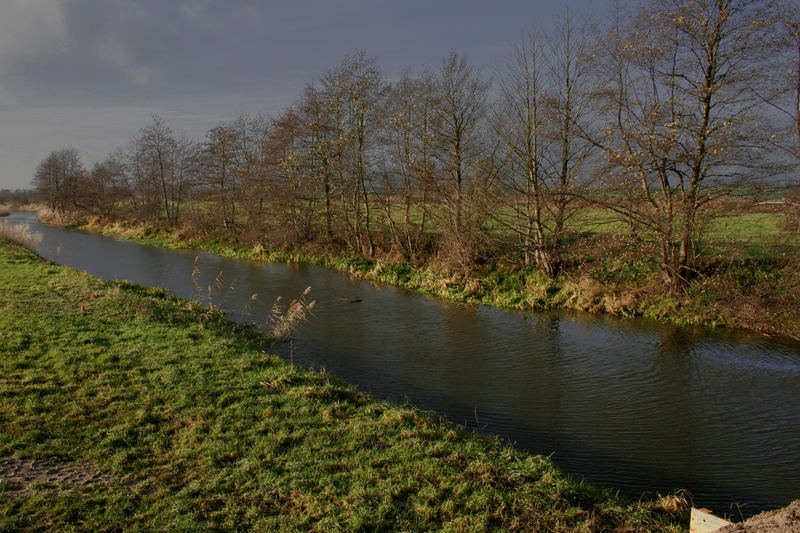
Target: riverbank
(123, 407)
(756, 294)
(784, 520)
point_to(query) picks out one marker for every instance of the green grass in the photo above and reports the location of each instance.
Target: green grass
(748, 227)
(202, 429)
(758, 234)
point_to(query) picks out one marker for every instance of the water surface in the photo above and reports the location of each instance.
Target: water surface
(634, 405)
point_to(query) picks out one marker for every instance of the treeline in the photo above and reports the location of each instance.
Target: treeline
(651, 114)
(16, 196)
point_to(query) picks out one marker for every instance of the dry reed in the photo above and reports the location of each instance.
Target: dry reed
(53, 217)
(282, 321)
(20, 234)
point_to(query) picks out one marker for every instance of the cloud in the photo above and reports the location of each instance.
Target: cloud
(252, 14)
(199, 14)
(19, 16)
(72, 49)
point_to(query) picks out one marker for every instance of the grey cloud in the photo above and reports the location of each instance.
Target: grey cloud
(200, 14)
(97, 48)
(88, 73)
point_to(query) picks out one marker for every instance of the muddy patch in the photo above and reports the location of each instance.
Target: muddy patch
(34, 475)
(786, 520)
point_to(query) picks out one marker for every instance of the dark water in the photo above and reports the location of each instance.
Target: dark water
(634, 405)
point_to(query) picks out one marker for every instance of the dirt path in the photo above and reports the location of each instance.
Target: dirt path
(785, 520)
(18, 476)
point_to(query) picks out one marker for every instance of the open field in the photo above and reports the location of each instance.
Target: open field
(124, 408)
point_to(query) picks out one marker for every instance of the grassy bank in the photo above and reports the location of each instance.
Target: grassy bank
(757, 289)
(172, 418)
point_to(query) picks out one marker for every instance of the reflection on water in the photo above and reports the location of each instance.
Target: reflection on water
(630, 404)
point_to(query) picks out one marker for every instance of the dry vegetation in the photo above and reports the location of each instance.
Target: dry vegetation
(284, 319)
(20, 234)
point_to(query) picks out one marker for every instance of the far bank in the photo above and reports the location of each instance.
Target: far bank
(759, 294)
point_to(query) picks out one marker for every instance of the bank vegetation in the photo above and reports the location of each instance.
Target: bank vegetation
(639, 163)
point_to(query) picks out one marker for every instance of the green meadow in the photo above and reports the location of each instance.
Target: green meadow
(189, 424)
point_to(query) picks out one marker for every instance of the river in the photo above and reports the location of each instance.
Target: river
(635, 405)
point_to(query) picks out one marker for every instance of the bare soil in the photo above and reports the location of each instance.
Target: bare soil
(785, 520)
(32, 475)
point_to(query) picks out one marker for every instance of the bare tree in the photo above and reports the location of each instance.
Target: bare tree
(294, 190)
(457, 127)
(791, 25)
(679, 106)
(543, 118)
(219, 158)
(779, 85)
(520, 123)
(571, 104)
(233, 169)
(313, 157)
(58, 178)
(408, 161)
(252, 165)
(106, 187)
(161, 169)
(352, 93)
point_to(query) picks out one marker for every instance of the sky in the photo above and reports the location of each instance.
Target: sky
(89, 74)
